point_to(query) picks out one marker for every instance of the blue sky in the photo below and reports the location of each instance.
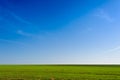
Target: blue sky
(59, 31)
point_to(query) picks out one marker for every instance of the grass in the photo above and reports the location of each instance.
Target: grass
(59, 72)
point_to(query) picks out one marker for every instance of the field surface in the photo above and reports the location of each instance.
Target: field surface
(59, 72)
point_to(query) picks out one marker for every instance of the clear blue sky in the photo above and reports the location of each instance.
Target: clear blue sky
(59, 31)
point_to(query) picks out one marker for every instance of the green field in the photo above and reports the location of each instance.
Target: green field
(59, 72)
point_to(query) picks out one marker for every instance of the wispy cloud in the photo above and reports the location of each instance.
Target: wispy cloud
(87, 30)
(101, 13)
(113, 49)
(26, 34)
(19, 18)
(14, 42)
(31, 35)
(6, 11)
(20, 32)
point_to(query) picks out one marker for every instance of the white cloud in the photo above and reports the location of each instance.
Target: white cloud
(19, 18)
(10, 41)
(101, 13)
(113, 49)
(5, 12)
(33, 36)
(88, 29)
(20, 32)
(25, 33)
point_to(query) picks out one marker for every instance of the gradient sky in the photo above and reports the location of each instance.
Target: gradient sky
(59, 31)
